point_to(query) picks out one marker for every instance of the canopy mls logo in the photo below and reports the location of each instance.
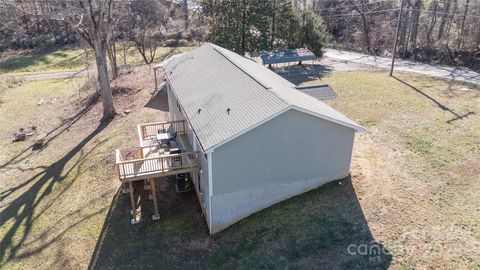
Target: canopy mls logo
(375, 251)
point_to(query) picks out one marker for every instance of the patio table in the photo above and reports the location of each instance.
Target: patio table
(162, 137)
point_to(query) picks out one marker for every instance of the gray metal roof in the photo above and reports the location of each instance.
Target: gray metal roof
(234, 94)
(319, 91)
(285, 56)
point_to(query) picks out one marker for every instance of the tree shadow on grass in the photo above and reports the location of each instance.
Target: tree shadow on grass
(40, 57)
(51, 135)
(324, 228)
(23, 62)
(20, 214)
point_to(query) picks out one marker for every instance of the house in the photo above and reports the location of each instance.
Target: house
(260, 140)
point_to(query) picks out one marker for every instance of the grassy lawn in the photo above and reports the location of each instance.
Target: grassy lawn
(69, 59)
(50, 60)
(418, 165)
(413, 191)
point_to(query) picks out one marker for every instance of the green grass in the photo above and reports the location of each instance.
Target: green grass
(414, 189)
(71, 59)
(54, 199)
(421, 148)
(135, 58)
(61, 59)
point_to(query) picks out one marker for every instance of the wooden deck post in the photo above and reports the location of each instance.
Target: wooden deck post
(132, 201)
(156, 215)
(145, 182)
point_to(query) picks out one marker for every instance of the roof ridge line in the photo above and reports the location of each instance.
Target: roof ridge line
(264, 85)
(259, 81)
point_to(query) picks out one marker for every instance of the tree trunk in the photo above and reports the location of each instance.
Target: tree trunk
(185, 11)
(103, 81)
(124, 51)
(462, 28)
(37, 17)
(302, 42)
(272, 34)
(432, 23)
(244, 26)
(366, 30)
(415, 19)
(401, 38)
(402, 42)
(445, 12)
(112, 55)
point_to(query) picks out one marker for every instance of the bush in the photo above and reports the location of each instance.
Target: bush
(315, 34)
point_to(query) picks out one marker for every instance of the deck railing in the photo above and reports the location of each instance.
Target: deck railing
(147, 132)
(136, 169)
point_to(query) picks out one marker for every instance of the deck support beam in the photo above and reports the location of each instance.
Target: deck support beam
(156, 215)
(132, 201)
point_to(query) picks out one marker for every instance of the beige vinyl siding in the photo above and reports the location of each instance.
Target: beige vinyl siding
(290, 154)
(200, 180)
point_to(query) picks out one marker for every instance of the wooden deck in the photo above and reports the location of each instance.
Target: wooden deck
(147, 132)
(156, 161)
(157, 166)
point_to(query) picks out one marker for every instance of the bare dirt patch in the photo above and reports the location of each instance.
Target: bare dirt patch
(124, 91)
(137, 78)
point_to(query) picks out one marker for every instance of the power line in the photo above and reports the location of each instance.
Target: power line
(394, 9)
(360, 14)
(454, 2)
(347, 4)
(443, 13)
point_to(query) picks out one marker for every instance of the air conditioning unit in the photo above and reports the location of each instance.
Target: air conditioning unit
(183, 182)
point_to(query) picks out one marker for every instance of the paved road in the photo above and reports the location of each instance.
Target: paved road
(334, 60)
(445, 72)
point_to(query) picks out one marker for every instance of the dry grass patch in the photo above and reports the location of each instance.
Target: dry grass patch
(54, 199)
(418, 164)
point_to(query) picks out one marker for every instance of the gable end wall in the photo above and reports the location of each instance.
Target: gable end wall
(286, 156)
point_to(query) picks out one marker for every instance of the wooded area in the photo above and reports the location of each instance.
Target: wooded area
(437, 31)
(445, 31)
(255, 26)
(441, 31)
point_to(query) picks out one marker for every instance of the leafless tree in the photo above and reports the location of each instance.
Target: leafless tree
(360, 7)
(93, 21)
(144, 24)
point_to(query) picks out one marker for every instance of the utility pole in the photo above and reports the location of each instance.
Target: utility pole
(399, 22)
